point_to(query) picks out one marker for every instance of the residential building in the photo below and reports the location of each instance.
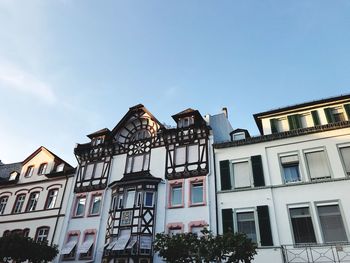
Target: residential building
(287, 189)
(34, 194)
(149, 178)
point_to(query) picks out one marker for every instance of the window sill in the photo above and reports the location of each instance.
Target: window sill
(197, 204)
(176, 206)
(93, 215)
(82, 216)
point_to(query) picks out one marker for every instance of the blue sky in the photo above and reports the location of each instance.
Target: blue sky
(68, 68)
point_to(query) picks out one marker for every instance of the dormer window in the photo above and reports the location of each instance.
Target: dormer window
(238, 136)
(60, 167)
(334, 114)
(97, 141)
(185, 122)
(29, 171)
(42, 168)
(13, 176)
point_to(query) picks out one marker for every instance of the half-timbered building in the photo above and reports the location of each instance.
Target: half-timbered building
(34, 194)
(149, 179)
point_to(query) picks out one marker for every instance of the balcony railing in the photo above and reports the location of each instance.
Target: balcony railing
(317, 253)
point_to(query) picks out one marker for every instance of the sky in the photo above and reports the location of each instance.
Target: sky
(71, 67)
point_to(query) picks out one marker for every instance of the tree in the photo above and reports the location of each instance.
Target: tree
(189, 248)
(18, 248)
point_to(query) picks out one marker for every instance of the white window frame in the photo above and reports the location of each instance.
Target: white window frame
(238, 134)
(301, 174)
(312, 215)
(256, 221)
(318, 149)
(232, 176)
(339, 146)
(144, 200)
(328, 203)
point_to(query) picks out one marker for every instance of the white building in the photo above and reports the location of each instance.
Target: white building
(33, 196)
(288, 188)
(138, 179)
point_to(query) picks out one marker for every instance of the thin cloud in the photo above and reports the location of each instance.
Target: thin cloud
(15, 78)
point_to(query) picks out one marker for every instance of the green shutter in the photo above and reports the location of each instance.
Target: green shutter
(315, 117)
(264, 225)
(291, 122)
(258, 172)
(227, 220)
(329, 115)
(294, 121)
(225, 175)
(347, 110)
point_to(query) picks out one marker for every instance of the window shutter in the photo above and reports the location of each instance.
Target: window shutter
(264, 225)
(291, 122)
(315, 117)
(273, 123)
(258, 172)
(227, 220)
(225, 175)
(347, 110)
(329, 115)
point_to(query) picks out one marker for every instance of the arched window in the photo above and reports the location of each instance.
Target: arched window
(141, 135)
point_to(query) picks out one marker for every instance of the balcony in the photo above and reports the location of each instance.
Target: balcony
(314, 253)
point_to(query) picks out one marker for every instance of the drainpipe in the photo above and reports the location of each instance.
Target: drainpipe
(216, 198)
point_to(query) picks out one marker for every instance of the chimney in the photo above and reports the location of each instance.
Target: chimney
(224, 111)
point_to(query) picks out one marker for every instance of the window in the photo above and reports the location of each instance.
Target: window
(26, 232)
(148, 200)
(334, 114)
(197, 193)
(137, 163)
(345, 155)
(141, 135)
(241, 174)
(175, 228)
(17, 208)
(294, 121)
(120, 201)
(33, 200)
(42, 234)
(195, 227)
(145, 244)
(86, 248)
(13, 176)
(95, 204)
(80, 206)
(176, 193)
(29, 171)
(130, 199)
(246, 224)
(185, 122)
(331, 223)
(42, 168)
(51, 198)
(69, 249)
(238, 136)
(318, 165)
(303, 229)
(3, 203)
(60, 167)
(290, 167)
(186, 154)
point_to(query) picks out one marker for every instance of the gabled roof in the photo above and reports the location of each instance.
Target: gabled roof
(188, 112)
(103, 131)
(132, 110)
(42, 148)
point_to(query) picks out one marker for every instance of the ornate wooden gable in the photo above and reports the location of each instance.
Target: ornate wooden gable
(94, 160)
(187, 146)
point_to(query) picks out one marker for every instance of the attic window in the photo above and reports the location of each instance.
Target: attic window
(185, 122)
(97, 140)
(60, 167)
(238, 136)
(141, 135)
(13, 176)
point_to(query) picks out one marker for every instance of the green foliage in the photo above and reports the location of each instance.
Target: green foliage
(189, 248)
(18, 248)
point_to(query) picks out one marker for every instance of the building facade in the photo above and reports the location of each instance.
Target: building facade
(287, 189)
(148, 178)
(34, 195)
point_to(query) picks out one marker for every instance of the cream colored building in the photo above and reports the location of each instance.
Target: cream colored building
(34, 194)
